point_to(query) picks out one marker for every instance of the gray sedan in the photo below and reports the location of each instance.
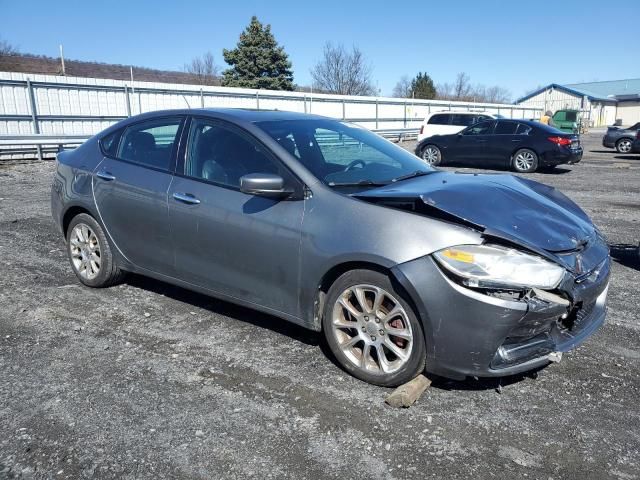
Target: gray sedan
(401, 266)
(621, 138)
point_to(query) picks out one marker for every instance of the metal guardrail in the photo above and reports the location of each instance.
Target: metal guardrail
(40, 142)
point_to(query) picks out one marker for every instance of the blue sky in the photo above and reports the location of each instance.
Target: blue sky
(517, 45)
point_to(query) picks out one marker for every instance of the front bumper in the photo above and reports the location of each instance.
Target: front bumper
(470, 333)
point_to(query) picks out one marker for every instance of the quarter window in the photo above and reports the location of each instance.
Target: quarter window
(523, 129)
(439, 119)
(110, 143)
(221, 155)
(150, 143)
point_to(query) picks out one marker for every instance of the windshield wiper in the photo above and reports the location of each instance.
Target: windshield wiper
(361, 183)
(417, 173)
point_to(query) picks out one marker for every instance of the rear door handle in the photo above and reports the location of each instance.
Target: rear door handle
(516, 140)
(104, 175)
(186, 198)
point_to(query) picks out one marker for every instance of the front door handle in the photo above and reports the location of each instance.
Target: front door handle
(104, 175)
(186, 198)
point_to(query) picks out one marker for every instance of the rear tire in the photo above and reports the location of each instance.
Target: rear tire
(624, 145)
(525, 161)
(431, 154)
(90, 254)
(372, 329)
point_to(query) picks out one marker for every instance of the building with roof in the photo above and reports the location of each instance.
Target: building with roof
(601, 102)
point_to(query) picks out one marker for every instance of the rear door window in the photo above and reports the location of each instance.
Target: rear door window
(440, 119)
(506, 128)
(462, 119)
(482, 128)
(150, 143)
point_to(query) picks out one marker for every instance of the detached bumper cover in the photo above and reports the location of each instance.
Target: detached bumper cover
(470, 333)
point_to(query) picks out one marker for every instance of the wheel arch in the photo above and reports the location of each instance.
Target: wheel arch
(395, 276)
(72, 212)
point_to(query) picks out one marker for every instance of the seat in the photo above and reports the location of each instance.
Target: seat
(143, 147)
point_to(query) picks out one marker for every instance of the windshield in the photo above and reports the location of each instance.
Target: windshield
(343, 154)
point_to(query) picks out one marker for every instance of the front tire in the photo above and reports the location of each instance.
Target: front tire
(431, 154)
(90, 254)
(623, 145)
(372, 330)
(525, 161)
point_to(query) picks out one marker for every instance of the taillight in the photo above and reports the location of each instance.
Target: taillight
(421, 129)
(560, 140)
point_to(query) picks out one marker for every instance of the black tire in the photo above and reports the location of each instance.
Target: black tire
(427, 154)
(520, 165)
(624, 145)
(108, 272)
(415, 361)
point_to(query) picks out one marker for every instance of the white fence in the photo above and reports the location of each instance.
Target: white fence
(55, 105)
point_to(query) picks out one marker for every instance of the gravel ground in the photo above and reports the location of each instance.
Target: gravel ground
(145, 380)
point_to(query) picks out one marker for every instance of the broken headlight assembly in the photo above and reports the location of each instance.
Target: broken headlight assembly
(495, 266)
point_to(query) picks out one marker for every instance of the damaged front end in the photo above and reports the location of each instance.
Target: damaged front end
(535, 287)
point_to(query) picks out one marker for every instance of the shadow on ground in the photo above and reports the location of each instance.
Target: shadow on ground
(221, 307)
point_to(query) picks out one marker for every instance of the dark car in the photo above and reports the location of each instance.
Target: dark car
(635, 146)
(329, 226)
(621, 138)
(522, 145)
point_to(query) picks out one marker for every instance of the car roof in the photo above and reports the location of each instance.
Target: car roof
(466, 112)
(242, 114)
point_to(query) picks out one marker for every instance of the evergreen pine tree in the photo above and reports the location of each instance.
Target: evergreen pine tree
(422, 86)
(258, 61)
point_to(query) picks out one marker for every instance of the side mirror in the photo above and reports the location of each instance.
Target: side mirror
(264, 184)
(460, 134)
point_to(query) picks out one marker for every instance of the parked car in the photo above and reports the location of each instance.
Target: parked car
(330, 226)
(635, 146)
(567, 120)
(522, 145)
(443, 123)
(621, 138)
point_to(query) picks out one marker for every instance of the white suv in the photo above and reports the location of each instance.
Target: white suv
(446, 122)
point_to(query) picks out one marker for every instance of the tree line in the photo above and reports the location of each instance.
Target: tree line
(259, 62)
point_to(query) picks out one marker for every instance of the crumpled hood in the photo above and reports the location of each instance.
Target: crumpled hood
(507, 206)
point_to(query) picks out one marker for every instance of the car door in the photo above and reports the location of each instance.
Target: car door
(240, 245)
(502, 143)
(130, 189)
(469, 146)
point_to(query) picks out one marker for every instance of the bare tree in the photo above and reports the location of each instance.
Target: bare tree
(496, 95)
(403, 88)
(7, 49)
(462, 90)
(461, 87)
(204, 69)
(343, 72)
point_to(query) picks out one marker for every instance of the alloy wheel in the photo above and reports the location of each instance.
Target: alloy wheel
(85, 251)
(524, 160)
(431, 155)
(372, 329)
(624, 146)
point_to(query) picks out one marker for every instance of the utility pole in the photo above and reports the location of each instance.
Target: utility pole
(64, 73)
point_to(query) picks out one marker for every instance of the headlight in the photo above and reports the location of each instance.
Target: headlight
(496, 266)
